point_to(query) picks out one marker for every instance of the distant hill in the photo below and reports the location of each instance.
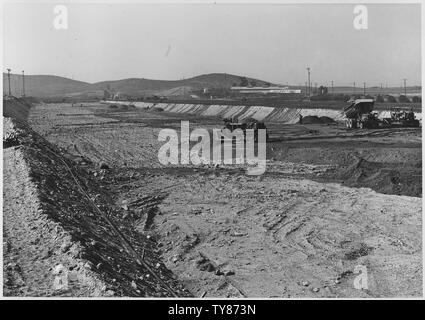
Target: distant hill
(44, 85)
(55, 86)
(47, 86)
(136, 86)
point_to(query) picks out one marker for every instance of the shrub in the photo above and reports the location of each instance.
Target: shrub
(380, 98)
(403, 99)
(416, 99)
(390, 99)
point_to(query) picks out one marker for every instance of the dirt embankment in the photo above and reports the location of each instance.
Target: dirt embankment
(17, 108)
(385, 169)
(62, 234)
(385, 178)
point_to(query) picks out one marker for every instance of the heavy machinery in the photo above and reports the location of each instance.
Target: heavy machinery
(402, 118)
(359, 115)
(232, 124)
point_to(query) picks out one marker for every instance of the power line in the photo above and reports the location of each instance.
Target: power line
(8, 79)
(23, 83)
(309, 83)
(405, 92)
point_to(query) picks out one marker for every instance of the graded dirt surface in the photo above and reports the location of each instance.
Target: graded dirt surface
(295, 231)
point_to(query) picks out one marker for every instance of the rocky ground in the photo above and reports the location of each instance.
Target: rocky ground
(295, 231)
(62, 234)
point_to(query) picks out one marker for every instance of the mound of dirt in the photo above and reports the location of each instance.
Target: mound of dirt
(311, 120)
(121, 107)
(317, 120)
(327, 120)
(63, 234)
(400, 179)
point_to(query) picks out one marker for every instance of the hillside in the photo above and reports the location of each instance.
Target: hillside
(136, 86)
(44, 85)
(54, 86)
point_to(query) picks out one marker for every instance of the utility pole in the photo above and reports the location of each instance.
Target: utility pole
(23, 83)
(332, 84)
(405, 92)
(354, 84)
(8, 80)
(306, 87)
(309, 84)
(364, 88)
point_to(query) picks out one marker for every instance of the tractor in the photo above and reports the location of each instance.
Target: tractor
(403, 119)
(232, 124)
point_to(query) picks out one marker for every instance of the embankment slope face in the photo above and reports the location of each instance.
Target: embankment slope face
(282, 114)
(62, 235)
(16, 108)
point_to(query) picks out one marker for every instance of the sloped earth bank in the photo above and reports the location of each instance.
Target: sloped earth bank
(62, 234)
(288, 114)
(288, 233)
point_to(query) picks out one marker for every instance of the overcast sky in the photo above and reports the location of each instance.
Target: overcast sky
(270, 42)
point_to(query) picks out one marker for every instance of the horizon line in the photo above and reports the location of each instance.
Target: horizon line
(204, 74)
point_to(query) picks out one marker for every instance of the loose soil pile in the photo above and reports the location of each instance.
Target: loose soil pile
(123, 107)
(317, 120)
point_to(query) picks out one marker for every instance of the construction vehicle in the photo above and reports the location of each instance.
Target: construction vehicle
(359, 115)
(402, 118)
(232, 124)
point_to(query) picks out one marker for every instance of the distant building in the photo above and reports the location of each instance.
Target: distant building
(264, 90)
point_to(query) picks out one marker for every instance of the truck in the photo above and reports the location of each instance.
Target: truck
(360, 114)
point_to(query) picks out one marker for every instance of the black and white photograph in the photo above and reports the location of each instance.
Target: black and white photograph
(212, 150)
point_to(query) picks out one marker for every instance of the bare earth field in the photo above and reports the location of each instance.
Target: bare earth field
(330, 200)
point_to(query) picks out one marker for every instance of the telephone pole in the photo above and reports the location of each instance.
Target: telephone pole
(23, 83)
(309, 84)
(8, 80)
(405, 91)
(332, 84)
(364, 88)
